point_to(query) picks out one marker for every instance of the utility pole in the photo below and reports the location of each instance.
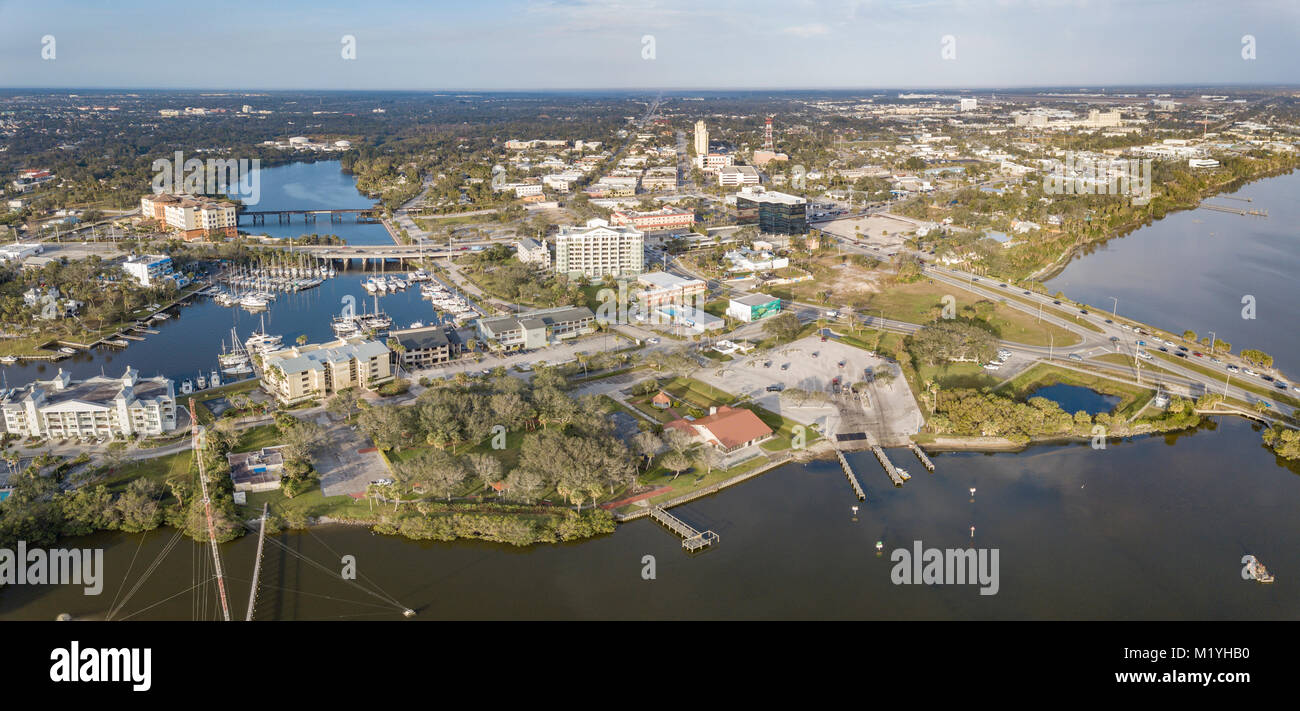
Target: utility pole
(1213, 340)
(1115, 307)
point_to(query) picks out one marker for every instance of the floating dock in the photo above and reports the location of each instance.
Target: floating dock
(692, 540)
(925, 461)
(890, 469)
(853, 479)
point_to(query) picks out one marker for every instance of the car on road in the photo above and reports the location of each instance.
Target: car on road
(1163, 349)
(992, 366)
(1126, 327)
(1142, 343)
(1183, 348)
(652, 341)
(1181, 354)
(1280, 385)
(1003, 285)
(1075, 356)
(1109, 321)
(1144, 355)
(841, 364)
(1114, 339)
(775, 388)
(1057, 302)
(1233, 369)
(1083, 311)
(767, 364)
(785, 366)
(1269, 378)
(1169, 343)
(814, 354)
(1248, 371)
(1198, 354)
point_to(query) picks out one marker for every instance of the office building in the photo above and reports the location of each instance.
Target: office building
(752, 307)
(775, 212)
(423, 347)
(536, 329)
(736, 175)
(665, 218)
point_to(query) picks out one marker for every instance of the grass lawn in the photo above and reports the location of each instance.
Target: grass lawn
(689, 481)
(309, 503)
(698, 394)
(156, 468)
(1121, 359)
(956, 375)
(255, 438)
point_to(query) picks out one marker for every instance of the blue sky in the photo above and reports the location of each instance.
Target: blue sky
(563, 44)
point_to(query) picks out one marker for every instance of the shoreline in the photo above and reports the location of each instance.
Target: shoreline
(1057, 267)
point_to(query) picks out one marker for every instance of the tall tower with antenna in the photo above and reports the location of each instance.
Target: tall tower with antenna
(768, 143)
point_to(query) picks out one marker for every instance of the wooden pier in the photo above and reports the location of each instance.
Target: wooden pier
(692, 540)
(890, 469)
(929, 465)
(1235, 210)
(853, 478)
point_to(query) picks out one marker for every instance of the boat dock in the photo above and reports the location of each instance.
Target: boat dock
(1235, 210)
(925, 461)
(890, 469)
(853, 478)
(692, 540)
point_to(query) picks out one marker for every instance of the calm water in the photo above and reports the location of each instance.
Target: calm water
(1192, 269)
(313, 186)
(1141, 530)
(1073, 398)
(1152, 528)
(203, 327)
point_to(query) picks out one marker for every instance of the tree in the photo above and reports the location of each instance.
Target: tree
(648, 444)
(784, 327)
(952, 340)
(435, 469)
(486, 468)
(709, 457)
(676, 462)
(344, 402)
(1189, 335)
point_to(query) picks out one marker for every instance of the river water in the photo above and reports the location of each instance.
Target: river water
(1152, 528)
(1193, 269)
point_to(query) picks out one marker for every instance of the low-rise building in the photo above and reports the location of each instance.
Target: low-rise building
(531, 251)
(96, 407)
(536, 329)
(257, 471)
(151, 270)
(734, 175)
(19, 251)
(423, 347)
(318, 370)
(665, 218)
(752, 307)
(726, 429)
(659, 288)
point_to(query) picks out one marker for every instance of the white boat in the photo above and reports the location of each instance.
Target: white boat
(416, 324)
(253, 301)
(67, 351)
(161, 316)
(186, 387)
(8, 360)
(237, 370)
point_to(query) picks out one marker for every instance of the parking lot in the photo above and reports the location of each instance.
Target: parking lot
(896, 410)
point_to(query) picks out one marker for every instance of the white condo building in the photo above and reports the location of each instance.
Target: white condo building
(96, 407)
(598, 248)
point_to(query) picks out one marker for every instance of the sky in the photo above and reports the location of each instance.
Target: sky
(645, 44)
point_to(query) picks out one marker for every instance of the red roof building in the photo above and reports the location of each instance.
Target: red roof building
(726, 428)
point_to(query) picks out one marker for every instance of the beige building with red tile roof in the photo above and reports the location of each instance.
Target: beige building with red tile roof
(726, 428)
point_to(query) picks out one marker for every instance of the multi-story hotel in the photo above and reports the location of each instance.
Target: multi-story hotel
(735, 175)
(322, 369)
(665, 218)
(193, 217)
(96, 407)
(597, 249)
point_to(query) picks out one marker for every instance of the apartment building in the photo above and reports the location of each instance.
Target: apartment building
(192, 217)
(423, 347)
(97, 407)
(536, 329)
(597, 249)
(318, 370)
